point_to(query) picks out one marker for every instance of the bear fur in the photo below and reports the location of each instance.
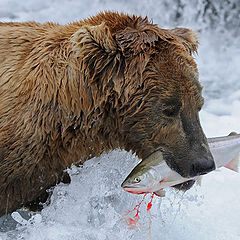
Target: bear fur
(70, 92)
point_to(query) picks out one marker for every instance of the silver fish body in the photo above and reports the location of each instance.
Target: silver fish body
(153, 174)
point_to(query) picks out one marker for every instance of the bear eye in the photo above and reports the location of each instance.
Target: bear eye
(171, 108)
(171, 112)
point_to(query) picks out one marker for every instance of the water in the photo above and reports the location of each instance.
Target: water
(92, 207)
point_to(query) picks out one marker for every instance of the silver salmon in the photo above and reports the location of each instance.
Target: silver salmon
(153, 174)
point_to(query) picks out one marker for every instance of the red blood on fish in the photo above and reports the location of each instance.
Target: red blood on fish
(135, 192)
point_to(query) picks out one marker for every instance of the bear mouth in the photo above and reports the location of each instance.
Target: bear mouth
(185, 185)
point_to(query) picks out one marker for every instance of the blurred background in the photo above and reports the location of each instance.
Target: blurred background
(211, 212)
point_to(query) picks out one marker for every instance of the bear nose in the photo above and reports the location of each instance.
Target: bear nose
(202, 166)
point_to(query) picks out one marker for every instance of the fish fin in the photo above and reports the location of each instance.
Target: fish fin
(233, 165)
(160, 193)
(199, 180)
(232, 134)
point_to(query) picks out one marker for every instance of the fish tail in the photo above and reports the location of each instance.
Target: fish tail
(233, 165)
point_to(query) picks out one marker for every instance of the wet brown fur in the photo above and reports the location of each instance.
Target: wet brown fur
(71, 92)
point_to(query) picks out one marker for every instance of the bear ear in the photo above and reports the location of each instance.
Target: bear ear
(96, 49)
(132, 41)
(189, 39)
(93, 38)
(136, 43)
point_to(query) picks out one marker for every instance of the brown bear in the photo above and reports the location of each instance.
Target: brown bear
(70, 92)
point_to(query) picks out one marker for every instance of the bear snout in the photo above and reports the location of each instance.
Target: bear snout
(202, 166)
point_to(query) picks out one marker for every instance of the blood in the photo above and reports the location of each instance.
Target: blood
(149, 206)
(135, 192)
(132, 222)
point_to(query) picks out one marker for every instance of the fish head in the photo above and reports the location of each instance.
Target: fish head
(142, 179)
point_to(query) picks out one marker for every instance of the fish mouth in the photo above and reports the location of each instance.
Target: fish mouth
(128, 187)
(133, 189)
(135, 192)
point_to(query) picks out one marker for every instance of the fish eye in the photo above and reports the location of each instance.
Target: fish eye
(137, 179)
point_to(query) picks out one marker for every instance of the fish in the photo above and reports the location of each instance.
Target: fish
(153, 175)
(225, 150)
